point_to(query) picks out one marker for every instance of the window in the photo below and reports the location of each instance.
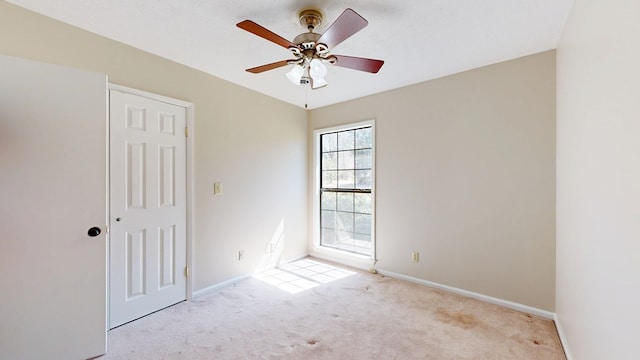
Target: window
(345, 189)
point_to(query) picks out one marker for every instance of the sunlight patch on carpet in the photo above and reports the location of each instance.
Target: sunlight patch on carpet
(302, 275)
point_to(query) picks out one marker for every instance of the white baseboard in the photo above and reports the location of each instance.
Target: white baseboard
(293, 259)
(506, 303)
(218, 286)
(563, 337)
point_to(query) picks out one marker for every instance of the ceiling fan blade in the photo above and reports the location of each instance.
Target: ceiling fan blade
(358, 63)
(254, 28)
(347, 24)
(267, 67)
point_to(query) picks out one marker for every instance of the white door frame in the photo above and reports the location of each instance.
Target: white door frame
(190, 180)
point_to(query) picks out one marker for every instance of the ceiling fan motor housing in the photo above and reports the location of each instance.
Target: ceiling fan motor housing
(304, 39)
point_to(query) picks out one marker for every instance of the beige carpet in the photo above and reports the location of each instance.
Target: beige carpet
(315, 310)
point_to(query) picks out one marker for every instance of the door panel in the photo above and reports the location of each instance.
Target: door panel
(53, 189)
(148, 206)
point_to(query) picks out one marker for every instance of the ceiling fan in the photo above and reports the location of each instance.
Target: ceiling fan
(311, 50)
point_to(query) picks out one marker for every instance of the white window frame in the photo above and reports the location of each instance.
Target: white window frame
(323, 252)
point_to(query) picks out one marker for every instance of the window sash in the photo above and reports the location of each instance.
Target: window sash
(335, 149)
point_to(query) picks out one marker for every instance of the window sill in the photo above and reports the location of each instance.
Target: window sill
(358, 261)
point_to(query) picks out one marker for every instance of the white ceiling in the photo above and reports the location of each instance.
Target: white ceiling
(419, 40)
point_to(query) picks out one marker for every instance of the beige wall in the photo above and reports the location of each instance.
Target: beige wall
(254, 144)
(465, 174)
(598, 246)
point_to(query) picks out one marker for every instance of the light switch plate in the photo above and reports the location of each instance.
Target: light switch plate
(217, 188)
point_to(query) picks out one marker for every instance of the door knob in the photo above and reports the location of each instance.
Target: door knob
(94, 231)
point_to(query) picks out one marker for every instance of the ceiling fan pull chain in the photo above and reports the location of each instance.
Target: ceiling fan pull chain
(306, 95)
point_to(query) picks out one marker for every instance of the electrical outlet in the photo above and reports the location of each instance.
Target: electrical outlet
(240, 255)
(415, 256)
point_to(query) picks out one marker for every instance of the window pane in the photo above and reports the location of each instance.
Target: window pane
(345, 160)
(328, 201)
(362, 243)
(363, 138)
(363, 179)
(343, 238)
(362, 203)
(363, 239)
(329, 179)
(345, 202)
(329, 161)
(328, 237)
(363, 224)
(329, 142)
(328, 219)
(346, 140)
(345, 221)
(363, 159)
(346, 179)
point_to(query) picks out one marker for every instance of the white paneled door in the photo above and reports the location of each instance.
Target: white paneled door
(148, 206)
(53, 211)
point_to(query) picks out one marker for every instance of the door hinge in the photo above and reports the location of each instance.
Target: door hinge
(186, 272)
(186, 132)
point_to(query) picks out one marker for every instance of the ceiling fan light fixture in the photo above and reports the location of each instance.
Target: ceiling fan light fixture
(295, 74)
(315, 84)
(317, 71)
